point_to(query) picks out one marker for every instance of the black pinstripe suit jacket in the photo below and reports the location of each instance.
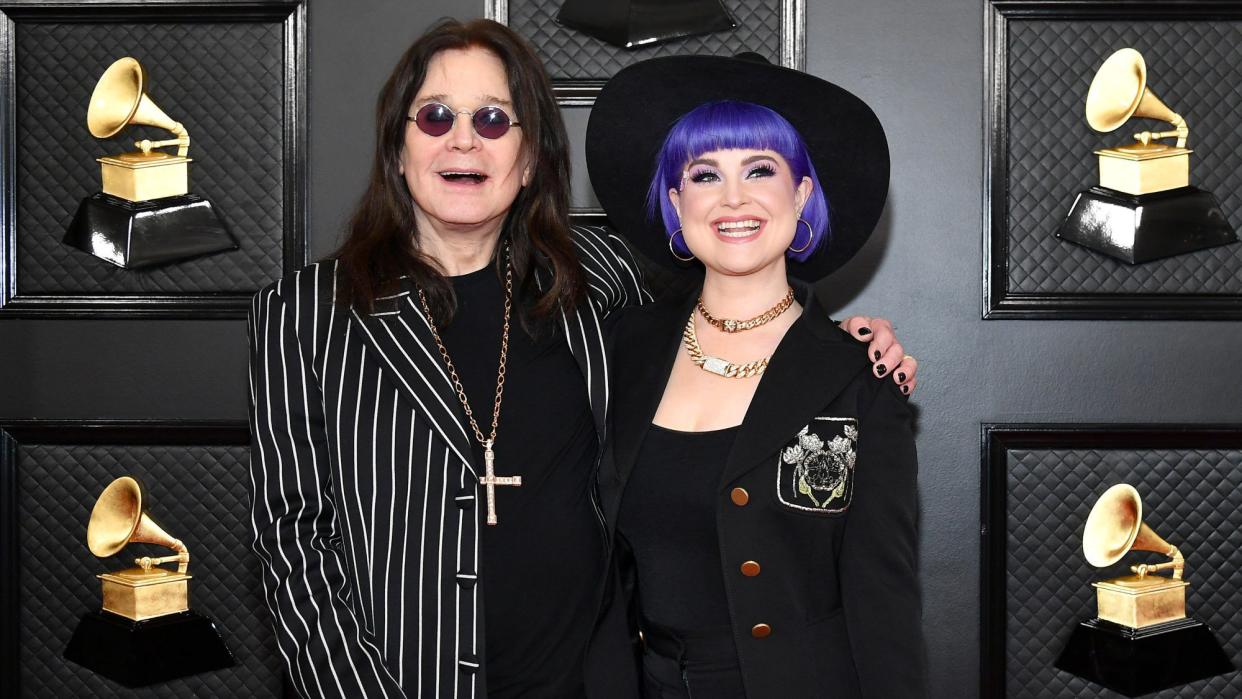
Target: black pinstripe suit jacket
(363, 480)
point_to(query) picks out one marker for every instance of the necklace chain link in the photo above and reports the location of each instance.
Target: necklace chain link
(716, 365)
(734, 326)
(504, 354)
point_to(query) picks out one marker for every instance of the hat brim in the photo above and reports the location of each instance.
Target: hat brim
(638, 106)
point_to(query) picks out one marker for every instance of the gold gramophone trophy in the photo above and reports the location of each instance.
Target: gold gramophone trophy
(1141, 640)
(146, 631)
(144, 216)
(1144, 208)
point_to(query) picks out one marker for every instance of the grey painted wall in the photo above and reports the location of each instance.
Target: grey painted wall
(919, 64)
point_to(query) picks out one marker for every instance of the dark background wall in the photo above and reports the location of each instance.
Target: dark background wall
(919, 64)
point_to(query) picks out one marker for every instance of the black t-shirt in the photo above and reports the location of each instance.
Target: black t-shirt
(541, 564)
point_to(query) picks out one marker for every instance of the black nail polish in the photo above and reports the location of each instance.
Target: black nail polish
(905, 390)
(880, 369)
(901, 376)
(877, 355)
(864, 331)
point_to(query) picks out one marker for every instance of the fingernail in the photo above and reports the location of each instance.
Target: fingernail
(880, 369)
(878, 355)
(901, 376)
(864, 331)
(905, 390)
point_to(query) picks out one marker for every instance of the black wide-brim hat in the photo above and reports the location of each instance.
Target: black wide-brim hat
(638, 106)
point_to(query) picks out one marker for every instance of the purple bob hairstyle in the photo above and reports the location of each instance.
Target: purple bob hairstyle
(728, 125)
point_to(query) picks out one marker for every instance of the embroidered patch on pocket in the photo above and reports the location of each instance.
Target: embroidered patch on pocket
(815, 470)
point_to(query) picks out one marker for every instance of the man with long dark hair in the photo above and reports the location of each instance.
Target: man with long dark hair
(428, 404)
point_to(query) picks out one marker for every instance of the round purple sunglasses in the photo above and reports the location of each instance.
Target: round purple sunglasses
(436, 119)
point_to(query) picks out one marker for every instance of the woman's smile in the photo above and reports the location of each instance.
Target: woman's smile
(739, 229)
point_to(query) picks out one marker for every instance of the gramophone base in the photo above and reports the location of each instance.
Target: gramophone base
(1137, 228)
(134, 234)
(140, 653)
(1138, 602)
(138, 594)
(1139, 661)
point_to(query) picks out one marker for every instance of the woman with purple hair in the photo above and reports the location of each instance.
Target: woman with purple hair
(759, 486)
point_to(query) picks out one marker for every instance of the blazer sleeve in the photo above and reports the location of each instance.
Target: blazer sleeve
(879, 566)
(612, 270)
(328, 652)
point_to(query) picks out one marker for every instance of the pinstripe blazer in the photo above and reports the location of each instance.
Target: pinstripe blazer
(364, 482)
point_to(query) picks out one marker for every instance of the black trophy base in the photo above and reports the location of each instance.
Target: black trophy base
(1137, 228)
(134, 234)
(1140, 661)
(140, 653)
(633, 24)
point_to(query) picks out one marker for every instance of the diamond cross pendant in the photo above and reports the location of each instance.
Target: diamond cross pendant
(491, 480)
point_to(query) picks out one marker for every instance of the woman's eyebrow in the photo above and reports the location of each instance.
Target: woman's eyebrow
(757, 158)
(703, 161)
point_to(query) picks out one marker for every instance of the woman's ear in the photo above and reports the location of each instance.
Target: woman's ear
(675, 197)
(803, 194)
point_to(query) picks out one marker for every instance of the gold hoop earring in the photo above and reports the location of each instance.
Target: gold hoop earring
(674, 252)
(810, 237)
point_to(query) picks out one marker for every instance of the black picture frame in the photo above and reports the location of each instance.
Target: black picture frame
(999, 302)
(291, 14)
(15, 433)
(997, 440)
(582, 92)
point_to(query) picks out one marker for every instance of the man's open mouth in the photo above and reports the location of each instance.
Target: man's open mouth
(463, 176)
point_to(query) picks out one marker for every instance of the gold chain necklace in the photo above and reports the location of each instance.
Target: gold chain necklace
(716, 365)
(734, 326)
(490, 479)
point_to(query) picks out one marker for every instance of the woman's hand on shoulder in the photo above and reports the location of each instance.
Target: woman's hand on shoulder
(888, 357)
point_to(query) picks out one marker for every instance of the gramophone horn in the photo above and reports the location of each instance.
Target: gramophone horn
(1119, 91)
(118, 519)
(120, 99)
(1115, 527)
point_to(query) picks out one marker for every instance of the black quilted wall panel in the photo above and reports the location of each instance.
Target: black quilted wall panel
(224, 81)
(1194, 67)
(1191, 497)
(198, 494)
(571, 55)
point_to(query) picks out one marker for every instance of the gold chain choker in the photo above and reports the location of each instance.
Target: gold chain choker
(736, 326)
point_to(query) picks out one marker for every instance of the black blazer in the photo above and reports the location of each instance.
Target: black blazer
(365, 487)
(819, 490)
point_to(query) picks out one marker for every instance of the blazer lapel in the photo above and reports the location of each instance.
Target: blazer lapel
(402, 342)
(813, 363)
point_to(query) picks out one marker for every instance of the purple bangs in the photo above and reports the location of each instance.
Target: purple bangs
(731, 125)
